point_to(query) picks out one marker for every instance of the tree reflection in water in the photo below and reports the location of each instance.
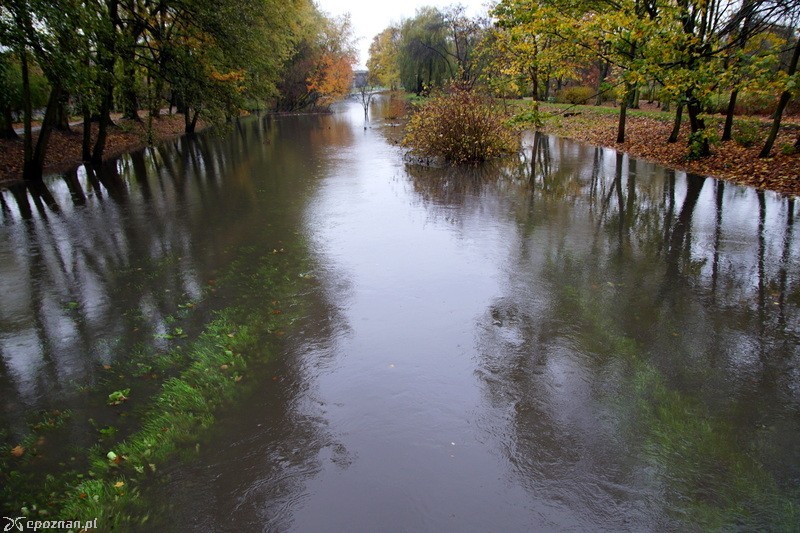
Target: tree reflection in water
(654, 357)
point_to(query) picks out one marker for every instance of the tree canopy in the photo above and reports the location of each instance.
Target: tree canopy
(207, 58)
(685, 53)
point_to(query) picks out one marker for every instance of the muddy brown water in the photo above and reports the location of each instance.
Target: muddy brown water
(572, 340)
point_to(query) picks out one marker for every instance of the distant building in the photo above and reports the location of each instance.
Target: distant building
(360, 78)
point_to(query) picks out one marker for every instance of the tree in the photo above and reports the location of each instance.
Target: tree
(532, 43)
(383, 58)
(320, 71)
(464, 35)
(42, 34)
(424, 59)
(365, 86)
(9, 95)
(332, 75)
(693, 55)
(783, 100)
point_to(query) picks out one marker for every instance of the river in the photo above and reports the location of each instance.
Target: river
(573, 340)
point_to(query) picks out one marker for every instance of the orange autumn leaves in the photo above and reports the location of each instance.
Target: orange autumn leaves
(332, 77)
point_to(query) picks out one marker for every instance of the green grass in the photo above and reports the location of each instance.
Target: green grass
(199, 376)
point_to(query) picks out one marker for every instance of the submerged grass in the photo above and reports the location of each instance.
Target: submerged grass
(209, 372)
(711, 474)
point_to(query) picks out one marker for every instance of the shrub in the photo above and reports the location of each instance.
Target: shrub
(746, 133)
(575, 95)
(460, 126)
(528, 118)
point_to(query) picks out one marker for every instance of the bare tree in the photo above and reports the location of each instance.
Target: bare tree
(367, 88)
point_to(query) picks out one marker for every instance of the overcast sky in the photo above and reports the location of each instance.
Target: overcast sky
(370, 17)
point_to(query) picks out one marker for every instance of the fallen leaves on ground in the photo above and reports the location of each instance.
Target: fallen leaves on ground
(646, 138)
(64, 148)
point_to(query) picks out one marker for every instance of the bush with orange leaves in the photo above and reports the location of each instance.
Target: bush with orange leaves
(460, 126)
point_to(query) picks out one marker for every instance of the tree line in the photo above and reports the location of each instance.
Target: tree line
(695, 55)
(211, 59)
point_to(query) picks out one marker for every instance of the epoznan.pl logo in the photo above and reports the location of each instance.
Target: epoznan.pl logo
(14, 523)
(22, 523)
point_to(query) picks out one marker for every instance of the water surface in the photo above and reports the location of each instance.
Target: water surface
(572, 340)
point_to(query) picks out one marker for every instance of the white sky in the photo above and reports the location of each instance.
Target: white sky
(370, 17)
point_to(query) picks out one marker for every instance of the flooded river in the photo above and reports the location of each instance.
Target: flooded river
(570, 341)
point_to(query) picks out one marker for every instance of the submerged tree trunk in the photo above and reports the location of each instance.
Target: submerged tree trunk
(727, 132)
(683, 225)
(785, 96)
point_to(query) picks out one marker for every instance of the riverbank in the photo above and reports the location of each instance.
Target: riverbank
(64, 148)
(647, 131)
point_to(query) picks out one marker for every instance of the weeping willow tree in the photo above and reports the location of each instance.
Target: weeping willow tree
(424, 51)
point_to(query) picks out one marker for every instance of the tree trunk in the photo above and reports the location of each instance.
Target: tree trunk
(698, 142)
(32, 169)
(623, 113)
(8, 131)
(727, 132)
(62, 113)
(194, 119)
(535, 83)
(86, 141)
(190, 120)
(107, 58)
(776, 122)
(27, 111)
(676, 126)
(130, 100)
(601, 79)
(102, 127)
(155, 102)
